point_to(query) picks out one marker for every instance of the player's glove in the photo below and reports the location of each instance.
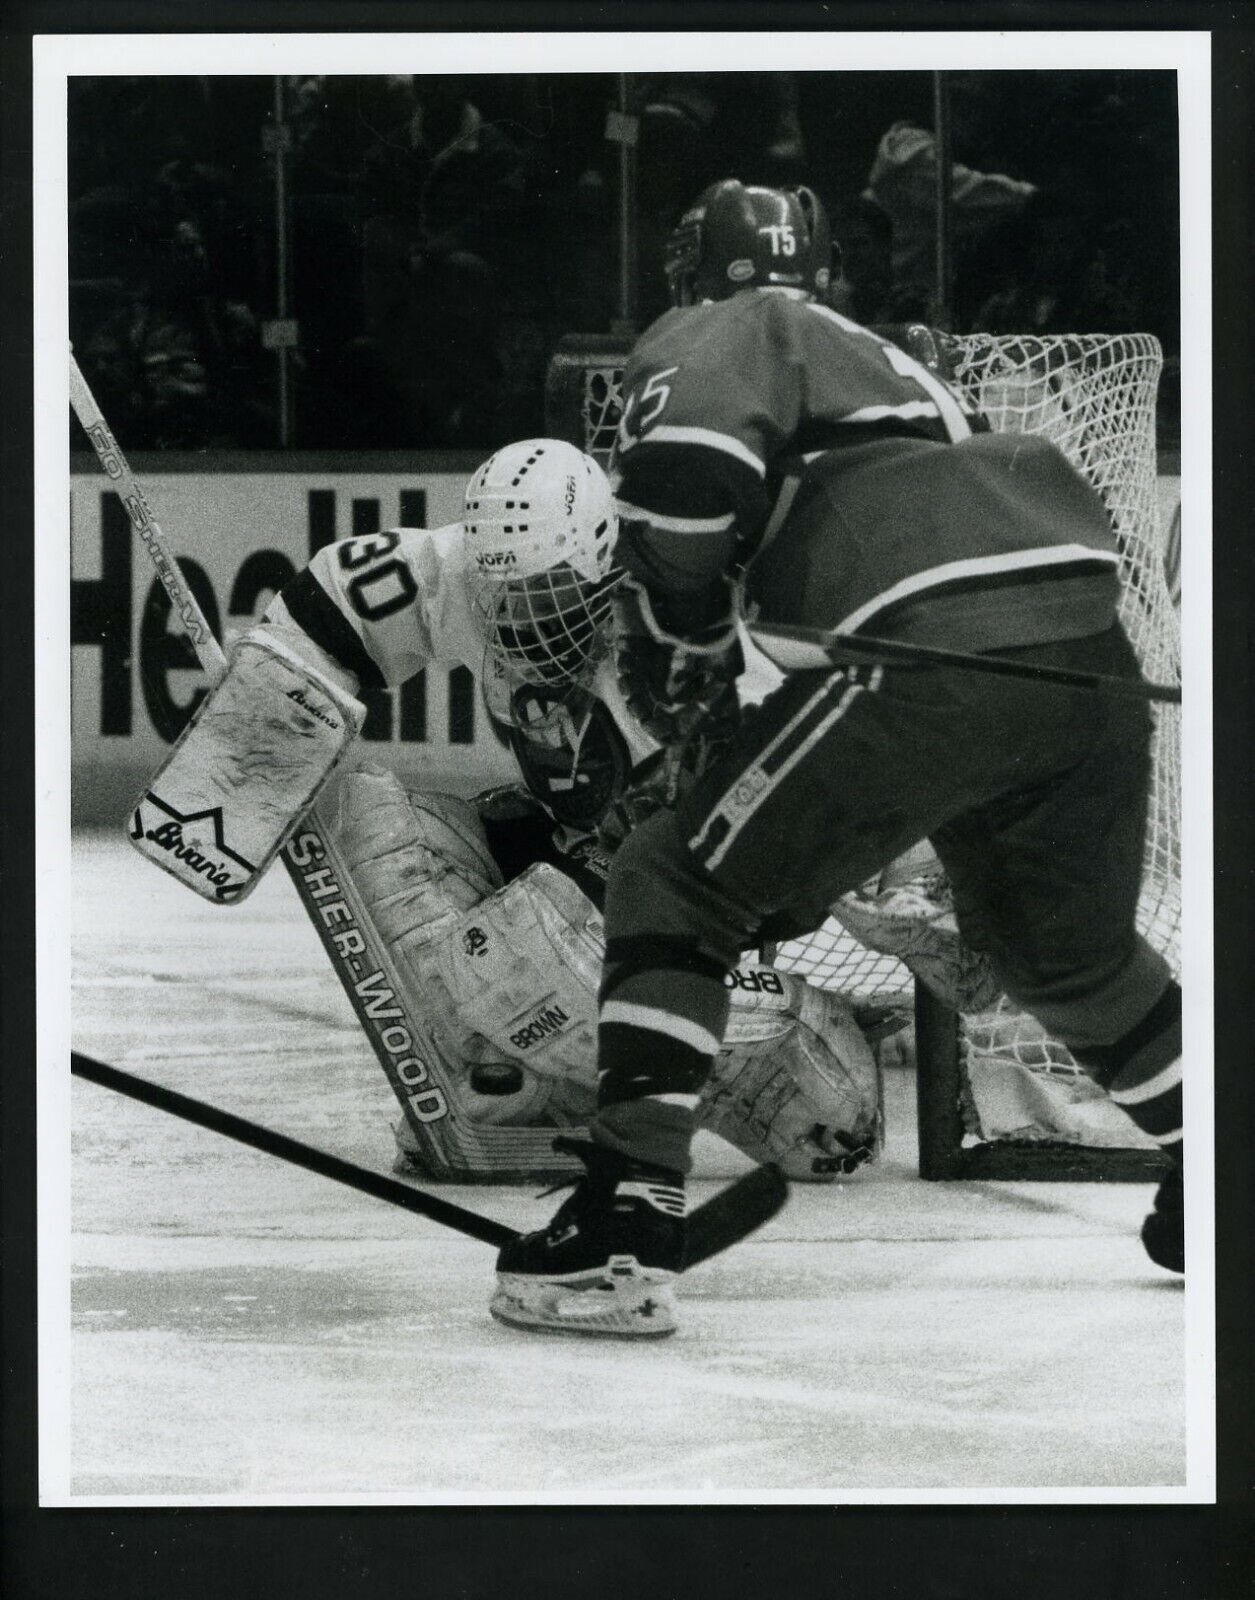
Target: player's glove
(678, 686)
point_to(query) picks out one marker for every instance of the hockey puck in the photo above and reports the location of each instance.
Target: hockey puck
(496, 1077)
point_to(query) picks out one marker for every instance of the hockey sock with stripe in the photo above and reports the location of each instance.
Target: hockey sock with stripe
(1142, 1071)
(664, 1009)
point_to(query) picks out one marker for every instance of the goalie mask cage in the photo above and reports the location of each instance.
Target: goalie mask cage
(1094, 396)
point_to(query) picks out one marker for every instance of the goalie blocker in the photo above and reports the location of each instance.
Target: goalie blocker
(247, 767)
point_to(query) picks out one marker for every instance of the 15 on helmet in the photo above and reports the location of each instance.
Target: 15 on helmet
(540, 528)
(737, 236)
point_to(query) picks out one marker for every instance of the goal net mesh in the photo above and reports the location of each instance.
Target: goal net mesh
(1094, 396)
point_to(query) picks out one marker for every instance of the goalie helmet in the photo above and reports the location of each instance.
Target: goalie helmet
(737, 237)
(540, 529)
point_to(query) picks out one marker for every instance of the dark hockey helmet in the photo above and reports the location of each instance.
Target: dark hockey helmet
(737, 236)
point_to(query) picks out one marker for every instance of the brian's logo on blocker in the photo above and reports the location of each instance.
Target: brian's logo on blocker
(192, 844)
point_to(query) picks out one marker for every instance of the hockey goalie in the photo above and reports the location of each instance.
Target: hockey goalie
(490, 909)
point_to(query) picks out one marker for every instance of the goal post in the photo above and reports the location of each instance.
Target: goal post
(996, 1097)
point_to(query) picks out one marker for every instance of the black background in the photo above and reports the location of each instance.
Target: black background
(673, 1553)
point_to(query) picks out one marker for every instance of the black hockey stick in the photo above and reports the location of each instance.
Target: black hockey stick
(293, 1150)
(734, 1213)
(724, 1219)
(792, 646)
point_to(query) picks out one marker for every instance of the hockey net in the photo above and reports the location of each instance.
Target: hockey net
(997, 1097)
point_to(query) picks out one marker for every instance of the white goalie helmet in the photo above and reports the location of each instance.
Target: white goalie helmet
(540, 530)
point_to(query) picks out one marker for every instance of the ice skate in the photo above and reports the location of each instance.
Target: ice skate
(605, 1262)
(1163, 1232)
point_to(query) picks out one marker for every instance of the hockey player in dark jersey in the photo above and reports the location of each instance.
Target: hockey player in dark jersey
(779, 461)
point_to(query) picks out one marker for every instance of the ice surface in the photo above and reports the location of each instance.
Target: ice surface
(245, 1329)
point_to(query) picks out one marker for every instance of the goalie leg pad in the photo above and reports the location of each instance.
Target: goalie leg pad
(423, 869)
(504, 981)
(517, 978)
(418, 859)
(796, 1082)
(912, 917)
(501, 980)
(514, 980)
(245, 770)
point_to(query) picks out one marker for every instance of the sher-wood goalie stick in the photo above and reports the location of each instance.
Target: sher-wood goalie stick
(723, 1220)
(452, 1147)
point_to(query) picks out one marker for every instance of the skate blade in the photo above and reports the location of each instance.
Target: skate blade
(621, 1301)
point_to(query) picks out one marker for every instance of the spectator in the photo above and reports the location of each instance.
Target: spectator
(903, 183)
(444, 231)
(431, 342)
(177, 366)
(460, 220)
(144, 366)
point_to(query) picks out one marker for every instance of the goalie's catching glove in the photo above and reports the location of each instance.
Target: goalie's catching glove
(678, 685)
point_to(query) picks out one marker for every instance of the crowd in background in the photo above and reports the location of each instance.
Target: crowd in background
(441, 234)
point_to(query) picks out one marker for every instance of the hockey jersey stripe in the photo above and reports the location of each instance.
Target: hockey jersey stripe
(316, 614)
(709, 438)
(691, 1101)
(1062, 560)
(956, 420)
(912, 408)
(657, 519)
(1166, 1078)
(1172, 1136)
(628, 957)
(1160, 1116)
(846, 324)
(799, 752)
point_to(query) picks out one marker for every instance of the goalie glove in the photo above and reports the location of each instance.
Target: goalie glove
(677, 685)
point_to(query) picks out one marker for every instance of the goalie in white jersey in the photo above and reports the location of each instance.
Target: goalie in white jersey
(501, 966)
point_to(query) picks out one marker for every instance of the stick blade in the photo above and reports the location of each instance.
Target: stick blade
(734, 1213)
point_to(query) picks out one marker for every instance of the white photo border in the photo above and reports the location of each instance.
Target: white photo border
(56, 58)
